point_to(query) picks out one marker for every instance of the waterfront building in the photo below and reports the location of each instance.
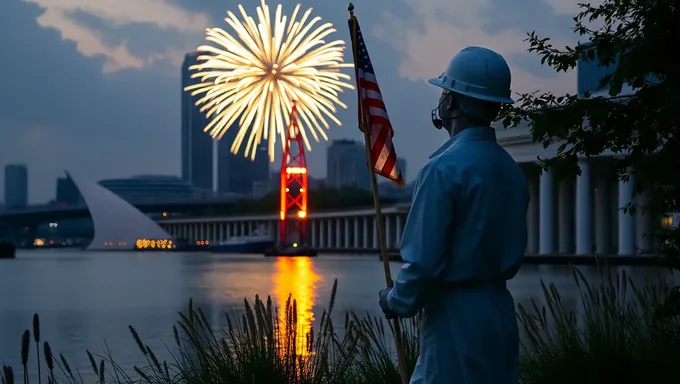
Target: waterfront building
(16, 186)
(346, 165)
(196, 145)
(147, 189)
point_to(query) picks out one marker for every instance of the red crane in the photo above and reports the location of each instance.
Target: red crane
(293, 211)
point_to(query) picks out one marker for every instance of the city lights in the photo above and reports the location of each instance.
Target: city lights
(149, 244)
(255, 74)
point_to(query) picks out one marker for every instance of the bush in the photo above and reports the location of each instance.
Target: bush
(615, 338)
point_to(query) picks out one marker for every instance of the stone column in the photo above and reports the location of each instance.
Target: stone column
(626, 220)
(644, 224)
(602, 217)
(584, 209)
(329, 233)
(338, 233)
(345, 242)
(400, 230)
(355, 224)
(547, 214)
(376, 244)
(322, 233)
(388, 231)
(312, 235)
(533, 228)
(566, 217)
(365, 230)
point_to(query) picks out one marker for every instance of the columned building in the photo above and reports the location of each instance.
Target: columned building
(579, 214)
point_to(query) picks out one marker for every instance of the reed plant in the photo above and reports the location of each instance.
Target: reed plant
(614, 337)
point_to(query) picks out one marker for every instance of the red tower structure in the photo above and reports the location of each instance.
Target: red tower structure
(293, 211)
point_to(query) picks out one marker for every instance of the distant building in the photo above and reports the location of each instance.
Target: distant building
(315, 183)
(197, 146)
(346, 165)
(67, 192)
(239, 174)
(591, 73)
(401, 163)
(151, 189)
(16, 186)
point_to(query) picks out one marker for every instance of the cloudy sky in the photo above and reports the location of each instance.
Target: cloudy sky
(94, 85)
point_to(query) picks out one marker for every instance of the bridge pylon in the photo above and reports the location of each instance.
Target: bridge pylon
(293, 208)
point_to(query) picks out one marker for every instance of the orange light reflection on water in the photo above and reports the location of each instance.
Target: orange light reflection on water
(296, 277)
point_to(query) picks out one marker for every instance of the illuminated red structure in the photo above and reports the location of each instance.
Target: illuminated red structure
(293, 211)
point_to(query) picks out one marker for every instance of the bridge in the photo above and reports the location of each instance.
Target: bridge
(37, 215)
(578, 215)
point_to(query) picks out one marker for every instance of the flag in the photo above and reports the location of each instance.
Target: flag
(372, 110)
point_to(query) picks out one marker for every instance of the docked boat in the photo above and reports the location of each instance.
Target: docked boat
(257, 242)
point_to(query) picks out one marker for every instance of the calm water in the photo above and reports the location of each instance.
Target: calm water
(85, 298)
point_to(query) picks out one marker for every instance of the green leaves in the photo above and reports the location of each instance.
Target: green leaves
(631, 45)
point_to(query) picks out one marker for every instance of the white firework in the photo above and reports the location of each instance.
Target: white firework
(254, 75)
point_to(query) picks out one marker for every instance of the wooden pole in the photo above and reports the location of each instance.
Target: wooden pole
(396, 325)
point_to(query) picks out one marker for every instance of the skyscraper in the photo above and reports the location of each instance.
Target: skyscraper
(237, 173)
(16, 186)
(197, 146)
(346, 165)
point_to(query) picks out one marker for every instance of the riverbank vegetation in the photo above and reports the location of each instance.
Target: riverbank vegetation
(614, 336)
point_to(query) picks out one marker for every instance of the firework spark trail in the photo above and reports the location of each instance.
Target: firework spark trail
(254, 75)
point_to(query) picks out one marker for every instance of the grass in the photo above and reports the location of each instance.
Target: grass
(614, 337)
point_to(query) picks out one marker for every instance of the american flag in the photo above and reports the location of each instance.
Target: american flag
(374, 110)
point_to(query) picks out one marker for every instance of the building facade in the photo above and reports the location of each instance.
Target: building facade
(197, 146)
(151, 189)
(239, 174)
(346, 165)
(16, 186)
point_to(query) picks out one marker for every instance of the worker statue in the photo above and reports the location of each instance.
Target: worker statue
(465, 235)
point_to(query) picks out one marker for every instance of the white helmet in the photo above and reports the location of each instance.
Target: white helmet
(478, 73)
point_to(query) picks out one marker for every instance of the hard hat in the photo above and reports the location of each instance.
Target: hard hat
(478, 73)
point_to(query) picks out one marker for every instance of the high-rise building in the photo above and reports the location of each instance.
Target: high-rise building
(589, 76)
(237, 173)
(346, 165)
(16, 186)
(197, 146)
(67, 192)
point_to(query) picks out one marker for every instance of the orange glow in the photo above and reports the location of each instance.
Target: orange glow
(296, 277)
(296, 170)
(302, 214)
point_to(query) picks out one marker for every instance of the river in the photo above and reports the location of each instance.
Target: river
(87, 298)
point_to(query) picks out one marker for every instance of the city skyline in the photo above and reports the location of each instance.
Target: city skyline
(109, 106)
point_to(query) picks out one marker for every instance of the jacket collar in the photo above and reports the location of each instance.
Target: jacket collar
(469, 134)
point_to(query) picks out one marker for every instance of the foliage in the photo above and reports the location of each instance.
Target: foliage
(261, 347)
(632, 39)
(614, 338)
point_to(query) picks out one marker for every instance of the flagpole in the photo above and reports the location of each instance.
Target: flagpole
(398, 340)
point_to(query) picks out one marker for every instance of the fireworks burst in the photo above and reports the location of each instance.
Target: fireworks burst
(255, 77)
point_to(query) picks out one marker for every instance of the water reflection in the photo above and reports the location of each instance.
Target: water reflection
(296, 277)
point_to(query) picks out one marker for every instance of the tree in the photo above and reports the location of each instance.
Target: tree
(638, 39)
